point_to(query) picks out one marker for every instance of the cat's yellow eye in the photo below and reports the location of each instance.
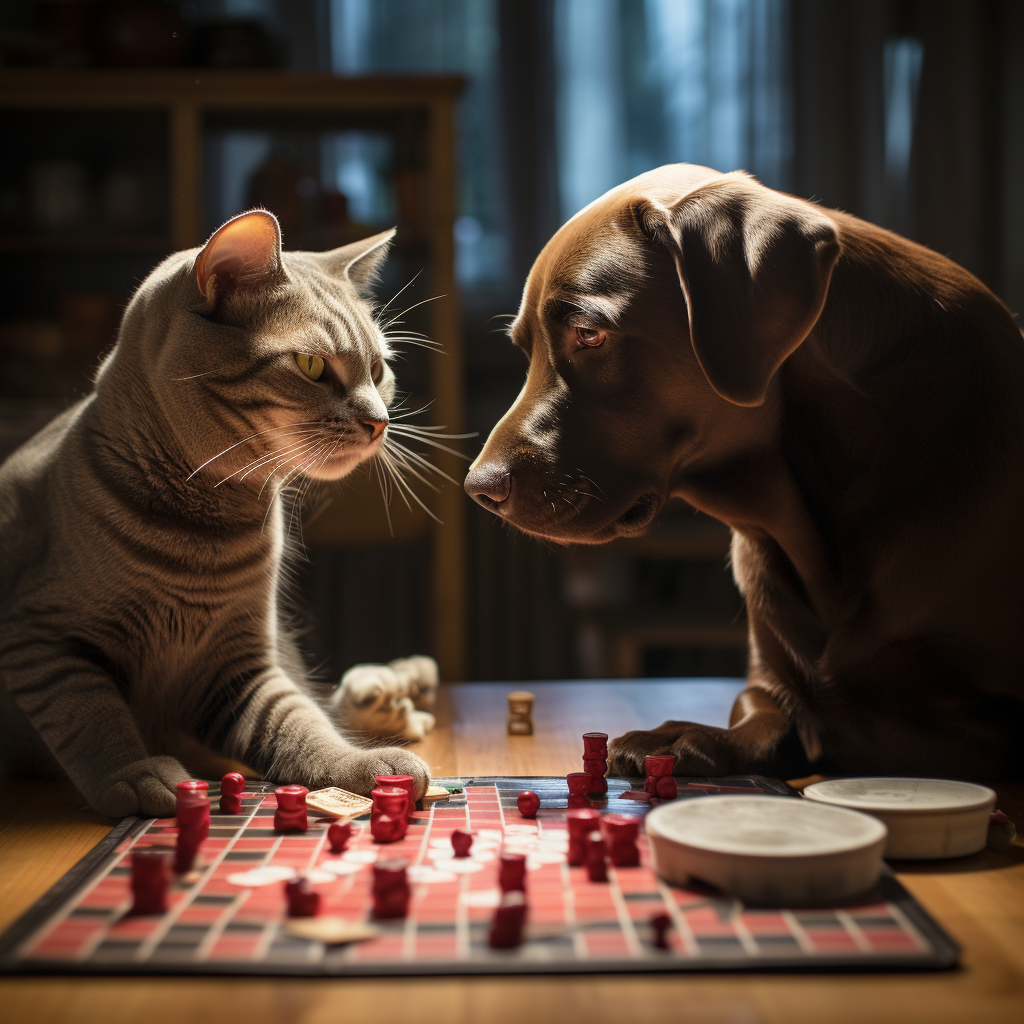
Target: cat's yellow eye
(311, 366)
(377, 370)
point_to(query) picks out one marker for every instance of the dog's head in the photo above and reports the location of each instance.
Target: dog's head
(654, 322)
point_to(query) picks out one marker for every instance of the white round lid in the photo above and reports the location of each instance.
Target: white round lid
(909, 796)
(764, 826)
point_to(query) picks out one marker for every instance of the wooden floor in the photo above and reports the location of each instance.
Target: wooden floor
(44, 829)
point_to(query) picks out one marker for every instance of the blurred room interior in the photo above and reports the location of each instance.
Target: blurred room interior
(133, 129)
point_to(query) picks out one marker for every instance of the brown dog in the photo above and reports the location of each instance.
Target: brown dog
(850, 404)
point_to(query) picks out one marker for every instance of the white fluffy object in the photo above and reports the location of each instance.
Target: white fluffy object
(388, 700)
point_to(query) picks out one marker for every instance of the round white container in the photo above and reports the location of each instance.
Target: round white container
(927, 819)
(766, 850)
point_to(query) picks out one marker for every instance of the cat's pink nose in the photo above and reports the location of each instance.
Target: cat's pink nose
(376, 427)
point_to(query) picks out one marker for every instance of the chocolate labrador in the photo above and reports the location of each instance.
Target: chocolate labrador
(850, 403)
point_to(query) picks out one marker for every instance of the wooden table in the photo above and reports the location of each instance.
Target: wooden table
(979, 900)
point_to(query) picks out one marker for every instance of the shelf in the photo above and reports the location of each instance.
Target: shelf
(84, 244)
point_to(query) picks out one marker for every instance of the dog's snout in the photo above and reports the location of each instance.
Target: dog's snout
(489, 483)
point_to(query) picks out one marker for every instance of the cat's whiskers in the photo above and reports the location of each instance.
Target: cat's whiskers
(251, 437)
(267, 457)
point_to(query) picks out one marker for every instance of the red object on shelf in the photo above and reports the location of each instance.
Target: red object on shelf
(528, 803)
(151, 878)
(338, 835)
(512, 872)
(303, 899)
(231, 787)
(290, 815)
(462, 842)
(507, 925)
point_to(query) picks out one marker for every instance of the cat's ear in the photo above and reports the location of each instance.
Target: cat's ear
(360, 261)
(244, 251)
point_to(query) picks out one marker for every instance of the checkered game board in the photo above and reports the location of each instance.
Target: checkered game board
(219, 924)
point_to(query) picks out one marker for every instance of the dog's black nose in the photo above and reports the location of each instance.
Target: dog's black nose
(489, 483)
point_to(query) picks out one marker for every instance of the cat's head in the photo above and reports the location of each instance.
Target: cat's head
(274, 365)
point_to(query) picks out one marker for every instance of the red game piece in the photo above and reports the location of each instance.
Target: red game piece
(528, 803)
(595, 744)
(596, 768)
(666, 787)
(390, 889)
(597, 869)
(507, 925)
(338, 835)
(512, 872)
(386, 829)
(193, 821)
(290, 815)
(462, 841)
(579, 786)
(391, 802)
(404, 782)
(657, 766)
(580, 824)
(303, 899)
(151, 878)
(660, 924)
(191, 788)
(231, 787)
(620, 833)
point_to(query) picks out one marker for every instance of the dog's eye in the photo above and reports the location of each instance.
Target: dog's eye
(589, 337)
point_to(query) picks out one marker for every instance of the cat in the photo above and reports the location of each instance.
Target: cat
(143, 538)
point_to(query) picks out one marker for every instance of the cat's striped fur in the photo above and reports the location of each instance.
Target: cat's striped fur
(142, 533)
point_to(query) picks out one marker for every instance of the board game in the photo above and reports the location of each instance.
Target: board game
(221, 922)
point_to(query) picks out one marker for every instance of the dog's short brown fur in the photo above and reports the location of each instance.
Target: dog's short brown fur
(850, 404)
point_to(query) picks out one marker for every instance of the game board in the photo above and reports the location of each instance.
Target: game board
(218, 926)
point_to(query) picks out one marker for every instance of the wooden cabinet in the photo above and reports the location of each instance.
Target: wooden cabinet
(81, 142)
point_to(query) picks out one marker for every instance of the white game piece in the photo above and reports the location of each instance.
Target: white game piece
(360, 856)
(485, 898)
(256, 877)
(318, 876)
(927, 819)
(425, 873)
(766, 850)
(340, 867)
(331, 931)
(460, 866)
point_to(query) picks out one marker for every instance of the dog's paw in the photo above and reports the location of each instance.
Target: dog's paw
(420, 676)
(698, 750)
(146, 788)
(357, 771)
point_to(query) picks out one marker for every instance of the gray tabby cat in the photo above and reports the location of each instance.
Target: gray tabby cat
(141, 546)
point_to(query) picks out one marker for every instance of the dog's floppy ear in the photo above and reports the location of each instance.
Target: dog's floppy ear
(754, 266)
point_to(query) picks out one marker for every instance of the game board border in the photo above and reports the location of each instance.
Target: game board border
(945, 954)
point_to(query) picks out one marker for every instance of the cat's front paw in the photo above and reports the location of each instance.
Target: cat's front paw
(145, 788)
(359, 769)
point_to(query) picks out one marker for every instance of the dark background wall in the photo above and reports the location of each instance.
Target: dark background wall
(909, 113)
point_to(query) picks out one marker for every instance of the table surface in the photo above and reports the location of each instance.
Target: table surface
(44, 830)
